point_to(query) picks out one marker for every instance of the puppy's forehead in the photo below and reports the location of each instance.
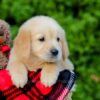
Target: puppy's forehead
(42, 24)
(47, 32)
(46, 27)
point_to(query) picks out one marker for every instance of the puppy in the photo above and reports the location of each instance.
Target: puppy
(40, 43)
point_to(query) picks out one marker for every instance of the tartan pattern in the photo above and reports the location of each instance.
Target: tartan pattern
(69, 85)
(31, 91)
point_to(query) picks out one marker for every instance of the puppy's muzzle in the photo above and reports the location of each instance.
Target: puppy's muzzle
(54, 52)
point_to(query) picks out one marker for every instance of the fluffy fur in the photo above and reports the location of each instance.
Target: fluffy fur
(31, 50)
(5, 41)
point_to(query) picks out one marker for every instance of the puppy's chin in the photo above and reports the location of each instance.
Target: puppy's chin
(51, 59)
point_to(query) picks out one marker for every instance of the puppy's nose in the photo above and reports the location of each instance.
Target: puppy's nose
(54, 52)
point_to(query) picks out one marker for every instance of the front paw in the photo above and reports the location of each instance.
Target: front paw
(19, 79)
(49, 79)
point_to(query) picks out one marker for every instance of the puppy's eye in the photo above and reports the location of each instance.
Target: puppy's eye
(58, 39)
(42, 39)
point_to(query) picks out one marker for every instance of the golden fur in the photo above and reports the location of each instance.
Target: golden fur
(29, 53)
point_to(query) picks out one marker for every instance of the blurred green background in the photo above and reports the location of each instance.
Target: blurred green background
(81, 20)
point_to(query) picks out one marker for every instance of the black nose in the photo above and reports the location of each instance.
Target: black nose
(54, 52)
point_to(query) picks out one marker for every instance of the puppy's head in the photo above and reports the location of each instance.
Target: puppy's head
(42, 37)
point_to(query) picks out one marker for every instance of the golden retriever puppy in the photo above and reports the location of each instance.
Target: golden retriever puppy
(40, 43)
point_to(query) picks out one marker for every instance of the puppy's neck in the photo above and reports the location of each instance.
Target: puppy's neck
(33, 63)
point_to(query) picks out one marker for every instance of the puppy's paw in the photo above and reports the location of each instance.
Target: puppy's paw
(18, 76)
(19, 79)
(49, 79)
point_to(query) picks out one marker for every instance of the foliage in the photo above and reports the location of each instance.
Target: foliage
(81, 20)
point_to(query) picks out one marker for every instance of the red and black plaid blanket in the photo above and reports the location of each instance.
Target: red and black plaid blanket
(34, 90)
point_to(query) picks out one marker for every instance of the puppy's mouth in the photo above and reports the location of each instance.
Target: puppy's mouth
(50, 58)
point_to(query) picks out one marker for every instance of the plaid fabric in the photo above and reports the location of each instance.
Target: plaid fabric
(34, 89)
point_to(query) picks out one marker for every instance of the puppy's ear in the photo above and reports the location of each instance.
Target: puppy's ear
(22, 44)
(65, 50)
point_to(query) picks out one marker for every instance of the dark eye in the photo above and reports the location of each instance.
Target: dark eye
(42, 39)
(58, 39)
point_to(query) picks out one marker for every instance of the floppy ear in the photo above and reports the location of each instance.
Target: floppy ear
(22, 44)
(65, 50)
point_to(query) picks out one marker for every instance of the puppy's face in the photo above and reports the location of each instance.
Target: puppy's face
(43, 37)
(46, 44)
